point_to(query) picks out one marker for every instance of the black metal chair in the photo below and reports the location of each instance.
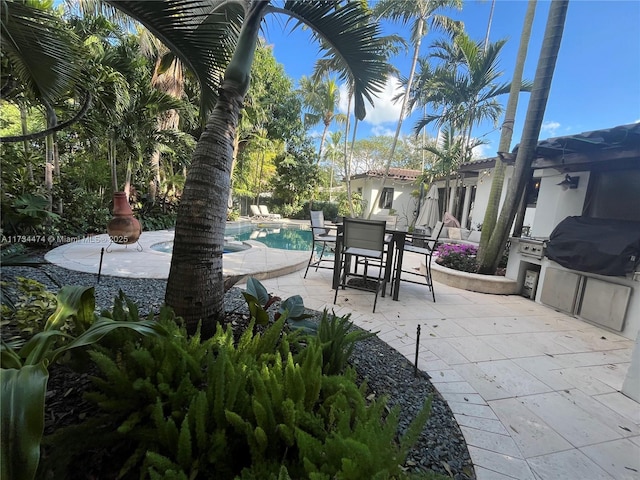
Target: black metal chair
(423, 245)
(362, 240)
(321, 236)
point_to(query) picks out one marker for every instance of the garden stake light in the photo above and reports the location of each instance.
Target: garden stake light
(100, 266)
(415, 364)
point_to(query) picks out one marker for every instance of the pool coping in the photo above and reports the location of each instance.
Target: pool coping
(129, 261)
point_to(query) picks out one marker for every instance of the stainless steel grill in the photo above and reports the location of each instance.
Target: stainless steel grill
(532, 247)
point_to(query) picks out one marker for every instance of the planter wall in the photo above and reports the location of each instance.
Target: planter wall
(474, 282)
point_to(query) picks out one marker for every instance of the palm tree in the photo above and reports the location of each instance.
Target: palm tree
(334, 152)
(422, 14)
(321, 98)
(41, 60)
(531, 130)
(467, 94)
(497, 179)
(217, 40)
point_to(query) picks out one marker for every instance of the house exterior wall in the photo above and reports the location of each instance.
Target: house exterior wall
(404, 202)
(556, 204)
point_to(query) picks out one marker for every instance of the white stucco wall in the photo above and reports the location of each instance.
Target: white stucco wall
(555, 204)
(404, 203)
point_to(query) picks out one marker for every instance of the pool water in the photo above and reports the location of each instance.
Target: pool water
(285, 237)
(167, 247)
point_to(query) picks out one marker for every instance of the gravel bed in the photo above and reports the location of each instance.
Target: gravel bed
(440, 447)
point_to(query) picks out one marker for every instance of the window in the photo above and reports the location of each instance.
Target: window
(614, 194)
(386, 199)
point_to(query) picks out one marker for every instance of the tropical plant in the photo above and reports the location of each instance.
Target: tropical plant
(256, 407)
(321, 98)
(24, 374)
(218, 42)
(530, 132)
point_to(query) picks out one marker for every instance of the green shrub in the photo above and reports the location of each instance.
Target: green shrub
(33, 306)
(255, 409)
(338, 341)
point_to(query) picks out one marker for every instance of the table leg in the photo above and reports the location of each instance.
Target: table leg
(337, 260)
(398, 267)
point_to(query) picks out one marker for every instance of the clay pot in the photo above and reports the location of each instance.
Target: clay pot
(123, 228)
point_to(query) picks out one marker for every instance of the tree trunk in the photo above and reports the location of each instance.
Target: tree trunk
(497, 180)
(25, 143)
(322, 140)
(531, 130)
(111, 152)
(195, 287)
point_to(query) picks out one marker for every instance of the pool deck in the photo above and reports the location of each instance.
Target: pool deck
(536, 392)
(141, 261)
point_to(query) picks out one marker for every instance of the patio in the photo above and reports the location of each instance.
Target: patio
(535, 392)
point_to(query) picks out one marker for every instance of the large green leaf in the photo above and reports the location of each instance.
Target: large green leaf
(73, 301)
(22, 394)
(103, 326)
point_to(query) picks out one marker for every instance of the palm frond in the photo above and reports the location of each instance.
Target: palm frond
(351, 43)
(41, 51)
(203, 34)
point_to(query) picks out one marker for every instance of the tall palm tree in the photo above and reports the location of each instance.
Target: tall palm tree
(217, 40)
(321, 98)
(422, 14)
(497, 178)
(531, 130)
(467, 94)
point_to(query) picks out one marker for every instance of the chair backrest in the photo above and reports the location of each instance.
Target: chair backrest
(317, 222)
(361, 233)
(255, 211)
(264, 210)
(437, 230)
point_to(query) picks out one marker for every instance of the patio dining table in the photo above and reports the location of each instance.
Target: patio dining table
(395, 250)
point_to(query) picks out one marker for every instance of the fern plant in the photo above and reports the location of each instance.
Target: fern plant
(186, 408)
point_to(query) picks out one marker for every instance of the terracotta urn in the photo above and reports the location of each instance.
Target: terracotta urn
(123, 228)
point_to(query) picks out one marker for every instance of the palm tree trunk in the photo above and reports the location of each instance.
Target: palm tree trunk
(195, 287)
(322, 140)
(497, 180)
(531, 130)
(25, 143)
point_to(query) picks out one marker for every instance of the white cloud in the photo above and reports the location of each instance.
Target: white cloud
(550, 128)
(482, 151)
(382, 131)
(384, 109)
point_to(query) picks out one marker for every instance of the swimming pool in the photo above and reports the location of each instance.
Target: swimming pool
(167, 247)
(284, 237)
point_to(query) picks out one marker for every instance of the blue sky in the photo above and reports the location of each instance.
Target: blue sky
(596, 82)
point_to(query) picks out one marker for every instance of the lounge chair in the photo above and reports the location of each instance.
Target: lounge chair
(256, 214)
(264, 211)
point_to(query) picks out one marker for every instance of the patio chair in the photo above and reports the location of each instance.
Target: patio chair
(362, 239)
(321, 236)
(391, 224)
(255, 213)
(423, 245)
(264, 211)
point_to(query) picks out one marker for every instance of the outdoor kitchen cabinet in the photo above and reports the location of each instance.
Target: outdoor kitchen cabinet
(591, 297)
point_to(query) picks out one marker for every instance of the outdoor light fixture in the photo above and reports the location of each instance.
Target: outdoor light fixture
(569, 182)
